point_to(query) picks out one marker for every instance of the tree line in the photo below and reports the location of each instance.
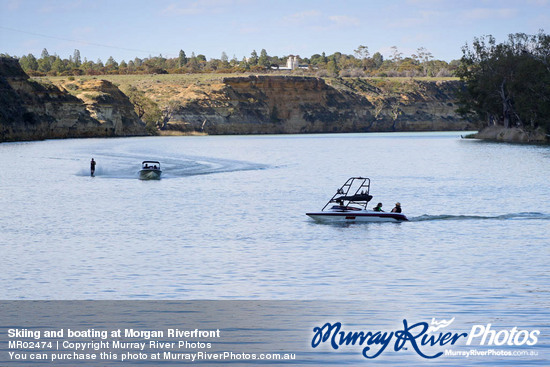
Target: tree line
(507, 83)
(361, 63)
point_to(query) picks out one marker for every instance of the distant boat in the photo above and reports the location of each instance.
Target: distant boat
(349, 204)
(150, 170)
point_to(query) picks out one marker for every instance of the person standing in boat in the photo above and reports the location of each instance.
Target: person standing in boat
(397, 208)
(378, 207)
(92, 167)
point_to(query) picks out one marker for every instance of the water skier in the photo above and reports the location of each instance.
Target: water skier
(92, 168)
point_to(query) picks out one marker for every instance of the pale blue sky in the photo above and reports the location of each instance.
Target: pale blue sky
(140, 28)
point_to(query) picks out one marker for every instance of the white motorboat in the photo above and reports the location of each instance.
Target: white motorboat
(150, 170)
(349, 204)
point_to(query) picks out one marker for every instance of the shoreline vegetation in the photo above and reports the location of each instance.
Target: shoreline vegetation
(359, 64)
(507, 85)
(200, 104)
(153, 83)
(501, 90)
(510, 135)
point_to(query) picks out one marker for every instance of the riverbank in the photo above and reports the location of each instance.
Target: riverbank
(33, 110)
(511, 135)
(101, 106)
(279, 104)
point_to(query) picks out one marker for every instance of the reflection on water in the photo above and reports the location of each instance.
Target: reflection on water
(227, 221)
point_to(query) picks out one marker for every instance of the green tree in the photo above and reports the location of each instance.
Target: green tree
(362, 52)
(28, 63)
(131, 67)
(396, 57)
(182, 59)
(253, 59)
(58, 66)
(87, 67)
(44, 63)
(244, 64)
(99, 68)
(146, 109)
(76, 58)
(332, 67)
(316, 59)
(193, 63)
(362, 55)
(378, 60)
(159, 62)
(111, 64)
(409, 67)
(224, 61)
(263, 60)
(123, 67)
(424, 57)
(507, 83)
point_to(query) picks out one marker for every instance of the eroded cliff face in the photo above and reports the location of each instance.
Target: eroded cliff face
(30, 110)
(263, 104)
(410, 105)
(272, 104)
(106, 104)
(283, 104)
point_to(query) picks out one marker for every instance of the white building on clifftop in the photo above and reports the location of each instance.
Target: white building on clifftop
(292, 63)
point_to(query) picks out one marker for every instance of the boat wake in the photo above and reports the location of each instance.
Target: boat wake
(125, 167)
(513, 216)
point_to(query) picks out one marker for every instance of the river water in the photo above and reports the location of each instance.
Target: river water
(227, 222)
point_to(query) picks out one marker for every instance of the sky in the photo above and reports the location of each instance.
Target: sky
(127, 29)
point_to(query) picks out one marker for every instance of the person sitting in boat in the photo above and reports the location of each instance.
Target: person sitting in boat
(378, 207)
(146, 165)
(397, 208)
(340, 205)
(155, 166)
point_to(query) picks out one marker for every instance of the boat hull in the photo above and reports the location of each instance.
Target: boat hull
(357, 216)
(149, 174)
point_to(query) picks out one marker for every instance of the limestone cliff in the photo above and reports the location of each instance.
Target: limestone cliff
(107, 105)
(267, 104)
(259, 104)
(30, 110)
(410, 105)
(285, 104)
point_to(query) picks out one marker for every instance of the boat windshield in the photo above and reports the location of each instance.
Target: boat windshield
(150, 165)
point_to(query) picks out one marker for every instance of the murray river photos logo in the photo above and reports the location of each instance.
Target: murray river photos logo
(421, 337)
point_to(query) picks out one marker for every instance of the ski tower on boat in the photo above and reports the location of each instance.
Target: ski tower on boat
(349, 204)
(359, 187)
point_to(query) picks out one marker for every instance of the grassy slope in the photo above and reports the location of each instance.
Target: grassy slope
(153, 81)
(159, 87)
(179, 89)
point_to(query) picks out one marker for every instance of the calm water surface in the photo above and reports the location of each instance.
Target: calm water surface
(227, 221)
